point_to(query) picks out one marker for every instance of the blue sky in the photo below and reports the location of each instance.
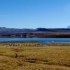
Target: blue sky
(34, 13)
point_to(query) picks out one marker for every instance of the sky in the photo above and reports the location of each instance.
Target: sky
(35, 13)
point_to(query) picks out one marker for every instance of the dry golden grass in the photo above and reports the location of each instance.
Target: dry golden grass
(34, 56)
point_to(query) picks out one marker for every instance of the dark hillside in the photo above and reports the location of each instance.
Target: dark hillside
(39, 32)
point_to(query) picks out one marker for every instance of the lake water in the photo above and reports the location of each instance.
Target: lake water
(45, 40)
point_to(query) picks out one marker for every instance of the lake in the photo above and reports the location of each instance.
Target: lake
(45, 40)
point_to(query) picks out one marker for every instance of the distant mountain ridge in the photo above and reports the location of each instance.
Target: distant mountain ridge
(68, 27)
(38, 32)
(16, 30)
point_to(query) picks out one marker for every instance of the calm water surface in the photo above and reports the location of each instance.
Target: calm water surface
(37, 39)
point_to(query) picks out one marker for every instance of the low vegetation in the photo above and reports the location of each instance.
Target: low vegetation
(34, 56)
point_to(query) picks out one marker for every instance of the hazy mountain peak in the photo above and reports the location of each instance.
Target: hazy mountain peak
(68, 27)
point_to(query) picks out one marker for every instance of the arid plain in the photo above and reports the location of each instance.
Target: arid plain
(34, 56)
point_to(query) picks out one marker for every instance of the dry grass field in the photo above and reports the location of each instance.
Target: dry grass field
(34, 56)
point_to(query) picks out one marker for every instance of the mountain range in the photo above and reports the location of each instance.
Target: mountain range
(4, 29)
(38, 32)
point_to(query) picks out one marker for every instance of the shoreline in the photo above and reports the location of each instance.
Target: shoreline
(34, 43)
